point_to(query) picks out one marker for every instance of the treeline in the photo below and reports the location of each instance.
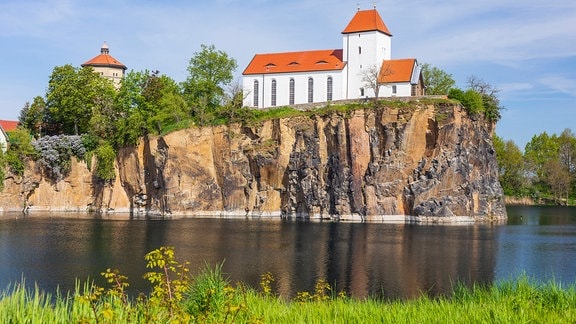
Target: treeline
(545, 171)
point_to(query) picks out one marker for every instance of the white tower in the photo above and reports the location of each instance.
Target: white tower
(107, 66)
(366, 42)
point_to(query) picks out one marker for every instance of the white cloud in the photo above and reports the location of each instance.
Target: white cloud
(560, 84)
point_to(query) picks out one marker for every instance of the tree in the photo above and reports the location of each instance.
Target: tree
(72, 96)
(470, 99)
(372, 77)
(233, 110)
(32, 116)
(209, 71)
(489, 94)
(147, 102)
(557, 178)
(510, 166)
(567, 150)
(436, 81)
(538, 151)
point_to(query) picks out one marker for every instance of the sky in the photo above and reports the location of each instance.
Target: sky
(527, 48)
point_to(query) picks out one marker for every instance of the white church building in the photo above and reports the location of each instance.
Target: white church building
(281, 79)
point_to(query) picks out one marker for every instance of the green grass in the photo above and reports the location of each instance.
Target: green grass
(210, 298)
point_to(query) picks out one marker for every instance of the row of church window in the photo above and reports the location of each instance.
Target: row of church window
(292, 90)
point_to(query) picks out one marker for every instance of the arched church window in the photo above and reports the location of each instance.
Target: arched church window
(291, 92)
(310, 90)
(329, 87)
(255, 92)
(273, 94)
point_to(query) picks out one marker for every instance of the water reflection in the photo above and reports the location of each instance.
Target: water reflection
(388, 260)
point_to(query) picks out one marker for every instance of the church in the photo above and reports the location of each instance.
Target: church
(281, 79)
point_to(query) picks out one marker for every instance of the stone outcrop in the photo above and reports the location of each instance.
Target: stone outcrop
(417, 161)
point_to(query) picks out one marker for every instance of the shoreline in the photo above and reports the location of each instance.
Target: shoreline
(272, 216)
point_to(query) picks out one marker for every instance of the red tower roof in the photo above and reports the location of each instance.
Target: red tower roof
(366, 20)
(105, 60)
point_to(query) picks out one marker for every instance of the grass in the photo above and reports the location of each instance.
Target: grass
(210, 298)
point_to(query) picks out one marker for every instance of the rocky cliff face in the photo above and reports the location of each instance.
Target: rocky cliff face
(417, 161)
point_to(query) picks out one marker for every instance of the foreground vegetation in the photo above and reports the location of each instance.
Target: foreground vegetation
(177, 297)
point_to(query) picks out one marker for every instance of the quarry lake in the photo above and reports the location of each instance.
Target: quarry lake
(363, 259)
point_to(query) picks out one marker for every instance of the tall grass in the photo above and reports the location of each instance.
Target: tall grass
(210, 298)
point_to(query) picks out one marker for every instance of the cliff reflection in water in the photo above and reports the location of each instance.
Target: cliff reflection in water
(391, 260)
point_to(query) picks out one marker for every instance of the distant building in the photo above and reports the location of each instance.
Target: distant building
(107, 66)
(281, 79)
(5, 127)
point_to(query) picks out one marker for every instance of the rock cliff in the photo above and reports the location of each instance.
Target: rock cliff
(420, 161)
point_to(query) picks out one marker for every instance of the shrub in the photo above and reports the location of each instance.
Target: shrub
(105, 156)
(20, 148)
(211, 298)
(55, 153)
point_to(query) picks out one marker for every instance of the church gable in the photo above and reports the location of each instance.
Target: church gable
(397, 71)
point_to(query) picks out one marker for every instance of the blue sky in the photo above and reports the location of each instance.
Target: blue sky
(525, 48)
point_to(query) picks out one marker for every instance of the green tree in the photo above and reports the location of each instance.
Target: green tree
(511, 167)
(557, 178)
(32, 116)
(490, 99)
(437, 81)
(567, 150)
(538, 151)
(147, 103)
(209, 71)
(470, 99)
(73, 95)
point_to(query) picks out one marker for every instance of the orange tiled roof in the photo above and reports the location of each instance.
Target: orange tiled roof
(8, 125)
(105, 60)
(393, 71)
(366, 20)
(306, 61)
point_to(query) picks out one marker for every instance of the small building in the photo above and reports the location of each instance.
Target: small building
(107, 66)
(280, 79)
(5, 127)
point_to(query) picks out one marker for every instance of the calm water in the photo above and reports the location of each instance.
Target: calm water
(391, 260)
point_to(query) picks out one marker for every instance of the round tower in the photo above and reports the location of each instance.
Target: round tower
(107, 66)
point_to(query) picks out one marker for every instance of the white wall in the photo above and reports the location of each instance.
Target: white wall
(114, 74)
(402, 90)
(283, 87)
(3, 141)
(375, 47)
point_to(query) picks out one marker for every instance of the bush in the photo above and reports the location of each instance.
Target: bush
(470, 99)
(105, 156)
(20, 148)
(55, 153)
